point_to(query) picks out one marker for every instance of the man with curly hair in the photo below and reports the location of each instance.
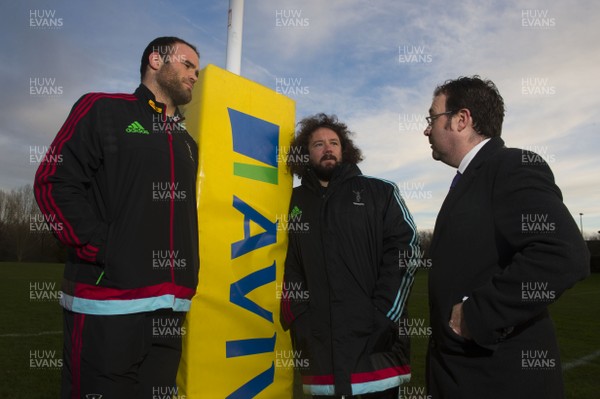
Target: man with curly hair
(348, 270)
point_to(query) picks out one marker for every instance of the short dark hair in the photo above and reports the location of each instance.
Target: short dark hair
(160, 45)
(481, 97)
(306, 127)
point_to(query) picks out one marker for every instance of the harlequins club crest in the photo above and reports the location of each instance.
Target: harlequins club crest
(358, 197)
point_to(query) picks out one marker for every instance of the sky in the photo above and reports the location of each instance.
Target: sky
(373, 63)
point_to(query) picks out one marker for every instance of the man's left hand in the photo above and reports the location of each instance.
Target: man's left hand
(457, 321)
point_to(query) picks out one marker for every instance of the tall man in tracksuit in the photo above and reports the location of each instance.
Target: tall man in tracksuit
(122, 198)
(348, 270)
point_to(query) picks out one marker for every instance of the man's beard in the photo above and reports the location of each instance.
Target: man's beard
(325, 173)
(173, 87)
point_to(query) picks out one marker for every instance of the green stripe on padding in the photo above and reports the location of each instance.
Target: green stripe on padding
(265, 174)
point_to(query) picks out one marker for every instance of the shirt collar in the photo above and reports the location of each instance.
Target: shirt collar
(470, 155)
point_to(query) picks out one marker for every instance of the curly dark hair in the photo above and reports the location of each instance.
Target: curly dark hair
(298, 157)
(481, 97)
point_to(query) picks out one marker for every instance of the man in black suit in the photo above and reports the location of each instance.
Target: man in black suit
(503, 249)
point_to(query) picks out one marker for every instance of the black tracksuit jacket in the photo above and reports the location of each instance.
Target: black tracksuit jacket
(348, 274)
(119, 187)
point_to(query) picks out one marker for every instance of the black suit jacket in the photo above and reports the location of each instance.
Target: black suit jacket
(504, 239)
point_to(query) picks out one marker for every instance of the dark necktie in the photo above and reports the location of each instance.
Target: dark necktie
(455, 180)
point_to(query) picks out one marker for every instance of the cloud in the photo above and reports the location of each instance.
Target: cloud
(346, 58)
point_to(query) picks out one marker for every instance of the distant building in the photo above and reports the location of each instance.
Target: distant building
(594, 247)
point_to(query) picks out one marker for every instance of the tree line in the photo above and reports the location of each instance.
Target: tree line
(25, 234)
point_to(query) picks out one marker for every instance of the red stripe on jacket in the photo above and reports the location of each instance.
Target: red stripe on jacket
(358, 378)
(43, 191)
(94, 292)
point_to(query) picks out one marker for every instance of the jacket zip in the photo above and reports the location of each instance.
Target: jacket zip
(172, 199)
(324, 198)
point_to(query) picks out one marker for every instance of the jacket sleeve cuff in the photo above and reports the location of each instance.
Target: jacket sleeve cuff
(95, 250)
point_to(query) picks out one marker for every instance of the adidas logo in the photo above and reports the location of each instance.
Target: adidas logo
(136, 127)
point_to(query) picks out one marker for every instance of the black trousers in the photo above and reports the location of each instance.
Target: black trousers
(133, 356)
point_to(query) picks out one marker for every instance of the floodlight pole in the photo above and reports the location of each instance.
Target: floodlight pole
(235, 25)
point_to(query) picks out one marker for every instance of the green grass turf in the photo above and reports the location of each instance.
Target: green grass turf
(19, 314)
(576, 315)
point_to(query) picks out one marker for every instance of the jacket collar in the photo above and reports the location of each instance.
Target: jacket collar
(146, 96)
(486, 152)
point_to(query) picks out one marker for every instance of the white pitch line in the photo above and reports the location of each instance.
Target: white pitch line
(581, 361)
(31, 334)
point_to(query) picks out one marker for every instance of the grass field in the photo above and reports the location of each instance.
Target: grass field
(31, 341)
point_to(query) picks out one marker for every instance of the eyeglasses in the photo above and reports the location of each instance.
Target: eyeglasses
(432, 118)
